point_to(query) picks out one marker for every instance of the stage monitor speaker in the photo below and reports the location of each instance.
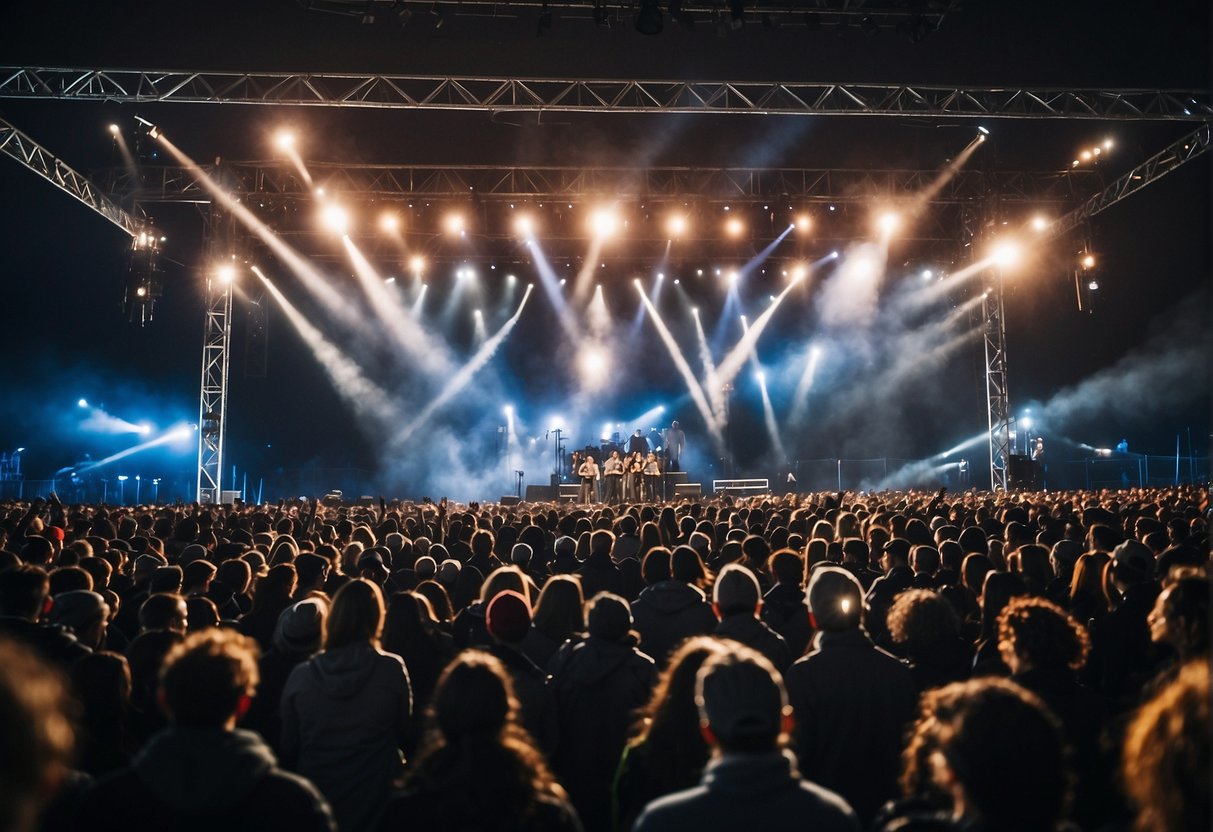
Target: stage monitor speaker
(688, 489)
(510, 500)
(539, 494)
(1020, 473)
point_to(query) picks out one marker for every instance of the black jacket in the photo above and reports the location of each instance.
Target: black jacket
(785, 612)
(853, 703)
(599, 685)
(669, 612)
(534, 694)
(204, 779)
(756, 635)
(750, 791)
(880, 599)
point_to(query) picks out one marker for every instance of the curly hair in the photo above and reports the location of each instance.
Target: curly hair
(1000, 743)
(922, 617)
(1166, 755)
(1042, 634)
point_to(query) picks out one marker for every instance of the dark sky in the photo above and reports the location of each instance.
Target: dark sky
(64, 266)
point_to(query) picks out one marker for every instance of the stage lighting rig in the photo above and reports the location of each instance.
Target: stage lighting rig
(143, 281)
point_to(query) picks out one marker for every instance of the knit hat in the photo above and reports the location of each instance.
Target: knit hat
(508, 617)
(299, 627)
(53, 533)
(610, 617)
(78, 609)
(741, 697)
(736, 589)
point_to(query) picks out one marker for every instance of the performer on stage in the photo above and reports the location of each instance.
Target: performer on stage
(633, 465)
(589, 474)
(612, 471)
(652, 476)
(675, 443)
(637, 444)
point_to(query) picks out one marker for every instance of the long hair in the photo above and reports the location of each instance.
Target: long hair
(356, 616)
(478, 763)
(669, 722)
(561, 609)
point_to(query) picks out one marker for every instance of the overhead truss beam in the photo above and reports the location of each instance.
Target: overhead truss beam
(786, 187)
(501, 94)
(41, 161)
(1168, 159)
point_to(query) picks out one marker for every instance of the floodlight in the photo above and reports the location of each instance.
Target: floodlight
(677, 225)
(454, 223)
(336, 219)
(114, 129)
(803, 223)
(389, 221)
(285, 140)
(417, 264)
(603, 222)
(1088, 261)
(1006, 253)
(888, 222)
(227, 273)
(524, 225)
(1039, 223)
(734, 227)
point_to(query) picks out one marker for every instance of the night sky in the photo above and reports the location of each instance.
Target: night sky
(1134, 366)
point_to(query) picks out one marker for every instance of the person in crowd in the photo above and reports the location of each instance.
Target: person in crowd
(598, 683)
(101, 686)
(509, 621)
(271, 596)
(668, 752)
(201, 771)
(852, 700)
(1165, 765)
(346, 712)
(997, 590)
(1123, 658)
(411, 632)
(925, 630)
(737, 602)
(1180, 618)
(750, 782)
(783, 606)
(36, 735)
(669, 611)
(559, 616)
(24, 599)
(985, 754)
(897, 578)
(479, 768)
(599, 572)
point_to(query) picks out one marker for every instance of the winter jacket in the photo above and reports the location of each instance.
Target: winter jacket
(345, 716)
(750, 791)
(534, 695)
(669, 612)
(853, 703)
(785, 612)
(204, 779)
(756, 635)
(599, 684)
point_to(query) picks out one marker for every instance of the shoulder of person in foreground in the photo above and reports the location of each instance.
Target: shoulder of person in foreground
(812, 807)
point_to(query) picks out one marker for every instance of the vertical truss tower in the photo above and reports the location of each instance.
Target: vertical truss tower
(216, 357)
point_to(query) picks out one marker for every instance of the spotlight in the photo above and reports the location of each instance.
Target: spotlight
(1107, 144)
(1006, 253)
(1085, 155)
(285, 140)
(603, 222)
(1088, 261)
(508, 410)
(417, 264)
(336, 219)
(985, 131)
(677, 225)
(227, 274)
(803, 223)
(888, 223)
(454, 223)
(524, 225)
(1093, 285)
(734, 227)
(389, 222)
(927, 274)
(1039, 223)
(82, 403)
(834, 254)
(114, 129)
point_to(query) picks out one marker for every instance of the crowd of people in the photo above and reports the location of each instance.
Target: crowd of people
(888, 661)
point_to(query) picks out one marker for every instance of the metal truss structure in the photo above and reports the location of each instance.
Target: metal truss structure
(32, 155)
(216, 359)
(917, 19)
(502, 94)
(494, 183)
(1170, 158)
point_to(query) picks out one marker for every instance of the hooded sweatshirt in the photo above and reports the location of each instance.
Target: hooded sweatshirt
(668, 612)
(193, 778)
(345, 716)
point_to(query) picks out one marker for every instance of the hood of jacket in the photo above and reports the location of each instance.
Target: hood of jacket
(343, 672)
(595, 659)
(203, 770)
(669, 597)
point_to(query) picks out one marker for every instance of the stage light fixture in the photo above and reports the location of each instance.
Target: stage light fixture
(604, 223)
(984, 131)
(524, 225)
(82, 403)
(389, 222)
(734, 227)
(227, 273)
(803, 223)
(1093, 285)
(888, 223)
(285, 140)
(1088, 261)
(1006, 253)
(1107, 144)
(677, 225)
(336, 219)
(454, 223)
(1039, 223)
(114, 129)
(927, 274)
(417, 264)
